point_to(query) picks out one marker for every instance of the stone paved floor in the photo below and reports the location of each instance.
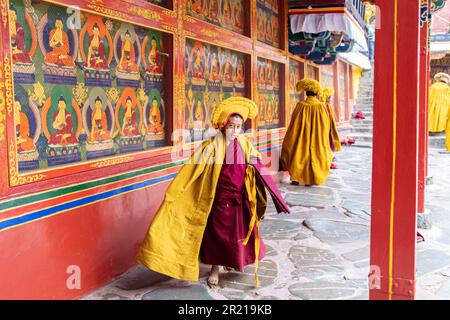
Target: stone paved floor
(320, 250)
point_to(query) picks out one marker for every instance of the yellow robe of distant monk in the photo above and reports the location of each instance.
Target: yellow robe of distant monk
(306, 151)
(439, 106)
(447, 135)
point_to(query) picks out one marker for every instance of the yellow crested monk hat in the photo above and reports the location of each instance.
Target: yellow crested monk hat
(326, 93)
(244, 107)
(442, 76)
(309, 85)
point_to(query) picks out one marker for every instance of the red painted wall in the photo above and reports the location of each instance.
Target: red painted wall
(102, 239)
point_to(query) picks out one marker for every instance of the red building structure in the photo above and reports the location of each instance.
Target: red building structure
(92, 90)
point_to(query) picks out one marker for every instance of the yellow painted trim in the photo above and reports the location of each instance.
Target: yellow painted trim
(394, 155)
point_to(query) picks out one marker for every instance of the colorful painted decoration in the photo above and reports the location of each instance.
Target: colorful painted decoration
(268, 22)
(62, 125)
(99, 125)
(227, 14)
(129, 121)
(213, 74)
(100, 92)
(440, 65)
(128, 56)
(23, 42)
(343, 91)
(268, 97)
(295, 75)
(59, 47)
(96, 51)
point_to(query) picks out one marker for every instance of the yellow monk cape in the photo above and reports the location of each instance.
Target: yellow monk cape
(447, 133)
(306, 151)
(438, 107)
(173, 240)
(334, 131)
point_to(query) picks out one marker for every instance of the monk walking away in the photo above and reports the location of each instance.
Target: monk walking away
(212, 210)
(306, 152)
(335, 142)
(439, 103)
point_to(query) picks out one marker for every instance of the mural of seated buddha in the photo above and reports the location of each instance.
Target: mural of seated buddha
(63, 125)
(99, 130)
(60, 47)
(17, 34)
(127, 61)
(24, 141)
(96, 58)
(154, 119)
(154, 59)
(240, 72)
(214, 73)
(227, 70)
(129, 125)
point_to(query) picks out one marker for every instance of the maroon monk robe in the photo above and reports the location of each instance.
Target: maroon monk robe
(230, 215)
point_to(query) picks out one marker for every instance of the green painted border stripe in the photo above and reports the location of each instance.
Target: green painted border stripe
(80, 187)
(268, 142)
(47, 195)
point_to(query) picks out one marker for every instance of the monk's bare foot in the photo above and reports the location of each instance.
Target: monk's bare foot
(228, 269)
(213, 279)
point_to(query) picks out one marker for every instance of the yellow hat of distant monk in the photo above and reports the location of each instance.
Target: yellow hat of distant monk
(244, 107)
(309, 85)
(327, 92)
(442, 76)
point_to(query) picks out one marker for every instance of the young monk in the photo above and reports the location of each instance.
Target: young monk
(306, 151)
(213, 207)
(335, 142)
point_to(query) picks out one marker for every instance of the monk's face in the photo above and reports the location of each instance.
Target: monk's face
(155, 103)
(128, 103)
(233, 128)
(98, 104)
(95, 31)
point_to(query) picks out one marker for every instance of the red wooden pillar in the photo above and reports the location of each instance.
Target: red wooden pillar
(423, 118)
(395, 151)
(4, 61)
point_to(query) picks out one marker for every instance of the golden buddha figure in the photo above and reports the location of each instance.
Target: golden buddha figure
(240, 72)
(63, 125)
(154, 119)
(214, 72)
(199, 111)
(154, 58)
(99, 123)
(60, 46)
(227, 69)
(96, 57)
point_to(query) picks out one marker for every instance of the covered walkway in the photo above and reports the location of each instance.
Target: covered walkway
(321, 250)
